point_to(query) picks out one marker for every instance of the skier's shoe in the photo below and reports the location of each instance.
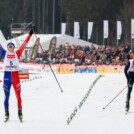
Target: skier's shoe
(6, 115)
(127, 107)
(20, 115)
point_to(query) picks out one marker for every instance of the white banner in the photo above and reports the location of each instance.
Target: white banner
(63, 29)
(105, 29)
(119, 30)
(76, 30)
(90, 29)
(132, 28)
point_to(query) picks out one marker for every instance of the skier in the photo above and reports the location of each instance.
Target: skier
(11, 73)
(129, 73)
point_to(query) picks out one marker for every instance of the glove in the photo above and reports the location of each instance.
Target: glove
(32, 30)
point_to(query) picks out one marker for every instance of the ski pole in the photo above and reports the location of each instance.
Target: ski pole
(114, 98)
(49, 65)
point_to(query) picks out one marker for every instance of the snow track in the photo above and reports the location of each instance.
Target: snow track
(46, 109)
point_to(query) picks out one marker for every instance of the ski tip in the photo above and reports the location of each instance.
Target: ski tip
(103, 108)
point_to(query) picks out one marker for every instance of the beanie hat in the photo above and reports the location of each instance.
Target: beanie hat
(10, 43)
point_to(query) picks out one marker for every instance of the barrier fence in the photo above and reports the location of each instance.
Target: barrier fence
(68, 68)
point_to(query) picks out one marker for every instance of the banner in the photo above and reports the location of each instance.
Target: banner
(76, 30)
(23, 75)
(52, 45)
(85, 69)
(132, 28)
(63, 29)
(105, 29)
(119, 30)
(90, 29)
(108, 69)
(32, 67)
(65, 69)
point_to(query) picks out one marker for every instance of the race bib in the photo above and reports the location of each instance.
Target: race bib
(11, 62)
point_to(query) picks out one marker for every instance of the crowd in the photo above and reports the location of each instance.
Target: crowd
(85, 55)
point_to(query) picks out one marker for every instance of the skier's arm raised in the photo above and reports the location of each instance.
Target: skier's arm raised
(2, 52)
(23, 46)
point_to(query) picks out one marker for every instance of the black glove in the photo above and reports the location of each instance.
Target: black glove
(32, 30)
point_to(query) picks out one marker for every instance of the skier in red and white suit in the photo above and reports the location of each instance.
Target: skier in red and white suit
(11, 73)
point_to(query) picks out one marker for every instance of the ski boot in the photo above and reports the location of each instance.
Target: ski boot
(127, 107)
(6, 115)
(20, 115)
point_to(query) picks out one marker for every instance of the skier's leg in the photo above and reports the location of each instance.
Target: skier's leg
(17, 89)
(6, 87)
(128, 97)
(7, 95)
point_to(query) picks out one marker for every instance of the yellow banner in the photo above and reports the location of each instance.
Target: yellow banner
(108, 69)
(65, 69)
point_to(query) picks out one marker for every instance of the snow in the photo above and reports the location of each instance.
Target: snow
(46, 109)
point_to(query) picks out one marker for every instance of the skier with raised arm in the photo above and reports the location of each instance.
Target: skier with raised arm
(11, 73)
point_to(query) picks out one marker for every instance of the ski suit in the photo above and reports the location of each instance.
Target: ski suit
(11, 72)
(129, 72)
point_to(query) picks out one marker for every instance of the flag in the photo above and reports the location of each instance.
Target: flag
(76, 30)
(90, 29)
(52, 45)
(119, 30)
(132, 28)
(35, 49)
(105, 29)
(63, 29)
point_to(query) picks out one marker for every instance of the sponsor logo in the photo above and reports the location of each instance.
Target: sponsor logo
(23, 75)
(11, 67)
(10, 56)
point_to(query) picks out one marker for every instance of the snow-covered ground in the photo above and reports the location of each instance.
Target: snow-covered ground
(46, 110)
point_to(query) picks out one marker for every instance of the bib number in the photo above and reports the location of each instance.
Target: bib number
(11, 63)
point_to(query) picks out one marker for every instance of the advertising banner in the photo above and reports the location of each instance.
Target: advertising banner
(65, 69)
